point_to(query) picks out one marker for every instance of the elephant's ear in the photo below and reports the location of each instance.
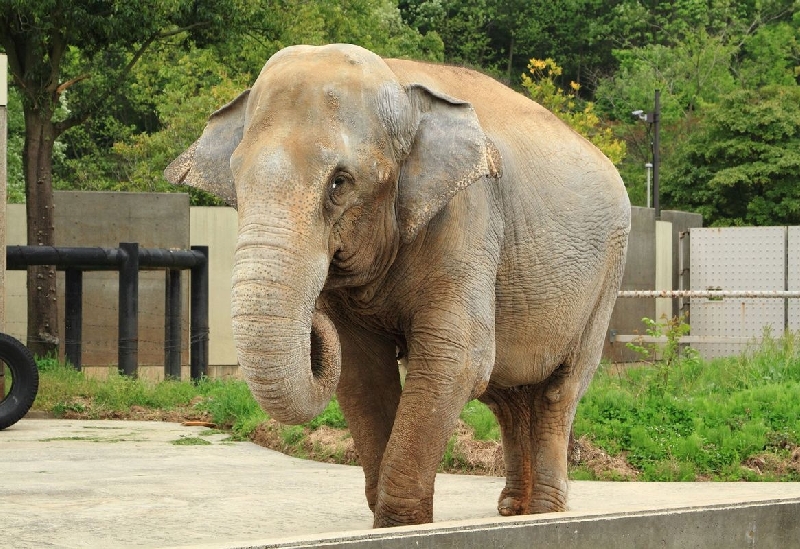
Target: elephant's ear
(449, 152)
(206, 164)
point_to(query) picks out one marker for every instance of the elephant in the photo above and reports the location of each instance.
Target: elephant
(389, 205)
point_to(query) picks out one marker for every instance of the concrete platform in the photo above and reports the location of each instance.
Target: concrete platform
(92, 484)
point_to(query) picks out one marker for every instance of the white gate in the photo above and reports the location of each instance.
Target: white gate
(743, 258)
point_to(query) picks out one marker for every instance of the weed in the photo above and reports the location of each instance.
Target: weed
(665, 355)
(478, 416)
(191, 441)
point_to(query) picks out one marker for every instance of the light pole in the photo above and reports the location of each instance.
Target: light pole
(654, 119)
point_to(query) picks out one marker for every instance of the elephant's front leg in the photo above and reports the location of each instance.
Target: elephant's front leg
(444, 370)
(368, 393)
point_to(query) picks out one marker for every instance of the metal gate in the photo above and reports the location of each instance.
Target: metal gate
(743, 258)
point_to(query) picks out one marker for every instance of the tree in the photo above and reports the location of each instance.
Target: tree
(127, 149)
(741, 169)
(67, 59)
(579, 114)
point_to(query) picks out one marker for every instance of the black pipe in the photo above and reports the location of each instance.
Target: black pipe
(73, 317)
(128, 259)
(199, 317)
(97, 259)
(172, 325)
(128, 350)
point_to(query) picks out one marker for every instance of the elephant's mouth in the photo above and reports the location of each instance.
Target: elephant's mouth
(324, 344)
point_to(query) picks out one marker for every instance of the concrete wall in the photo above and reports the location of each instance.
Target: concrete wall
(217, 229)
(646, 244)
(105, 219)
(766, 525)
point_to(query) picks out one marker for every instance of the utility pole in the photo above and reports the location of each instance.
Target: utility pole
(656, 152)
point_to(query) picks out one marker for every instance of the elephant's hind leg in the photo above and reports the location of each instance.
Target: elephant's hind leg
(512, 408)
(556, 400)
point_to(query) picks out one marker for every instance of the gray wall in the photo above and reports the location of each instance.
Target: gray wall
(640, 274)
(105, 219)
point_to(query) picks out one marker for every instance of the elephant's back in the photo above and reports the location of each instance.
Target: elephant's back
(495, 103)
(565, 214)
(537, 147)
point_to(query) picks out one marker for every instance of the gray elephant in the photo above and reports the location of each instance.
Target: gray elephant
(389, 204)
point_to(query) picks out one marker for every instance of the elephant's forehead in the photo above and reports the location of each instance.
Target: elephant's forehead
(321, 78)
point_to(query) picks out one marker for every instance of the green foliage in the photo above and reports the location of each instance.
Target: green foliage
(665, 356)
(741, 167)
(231, 405)
(332, 417)
(712, 417)
(482, 421)
(191, 441)
(579, 114)
(15, 191)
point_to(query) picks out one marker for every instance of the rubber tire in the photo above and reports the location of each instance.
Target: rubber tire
(24, 380)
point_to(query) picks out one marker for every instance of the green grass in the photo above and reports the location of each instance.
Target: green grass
(228, 401)
(705, 419)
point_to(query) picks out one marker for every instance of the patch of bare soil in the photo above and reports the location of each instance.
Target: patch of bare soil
(773, 465)
(468, 456)
(324, 444)
(604, 467)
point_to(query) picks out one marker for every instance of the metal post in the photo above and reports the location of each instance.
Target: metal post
(3, 126)
(172, 325)
(3, 146)
(656, 152)
(199, 317)
(73, 321)
(128, 352)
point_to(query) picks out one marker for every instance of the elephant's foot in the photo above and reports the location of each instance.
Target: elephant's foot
(512, 502)
(394, 511)
(549, 497)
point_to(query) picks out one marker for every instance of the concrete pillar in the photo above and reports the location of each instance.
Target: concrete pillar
(663, 268)
(3, 147)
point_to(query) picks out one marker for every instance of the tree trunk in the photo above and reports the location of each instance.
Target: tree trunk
(510, 58)
(37, 156)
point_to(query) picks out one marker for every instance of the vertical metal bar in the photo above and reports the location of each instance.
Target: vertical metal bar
(199, 317)
(172, 325)
(73, 321)
(3, 170)
(657, 153)
(786, 279)
(128, 352)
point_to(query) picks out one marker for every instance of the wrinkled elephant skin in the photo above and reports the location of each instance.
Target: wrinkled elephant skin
(388, 204)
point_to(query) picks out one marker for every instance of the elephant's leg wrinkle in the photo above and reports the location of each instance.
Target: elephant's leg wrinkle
(369, 393)
(511, 407)
(424, 423)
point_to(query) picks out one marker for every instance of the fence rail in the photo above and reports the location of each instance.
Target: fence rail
(614, 337)
(778, 294)
(128, 259)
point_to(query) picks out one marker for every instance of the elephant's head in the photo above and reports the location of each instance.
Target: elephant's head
(331, 164)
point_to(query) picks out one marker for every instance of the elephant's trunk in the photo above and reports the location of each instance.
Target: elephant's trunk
(288, 350)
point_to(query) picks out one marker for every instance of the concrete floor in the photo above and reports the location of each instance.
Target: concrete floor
(92, 484)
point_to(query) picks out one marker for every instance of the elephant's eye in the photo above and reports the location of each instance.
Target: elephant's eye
(337, 184)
